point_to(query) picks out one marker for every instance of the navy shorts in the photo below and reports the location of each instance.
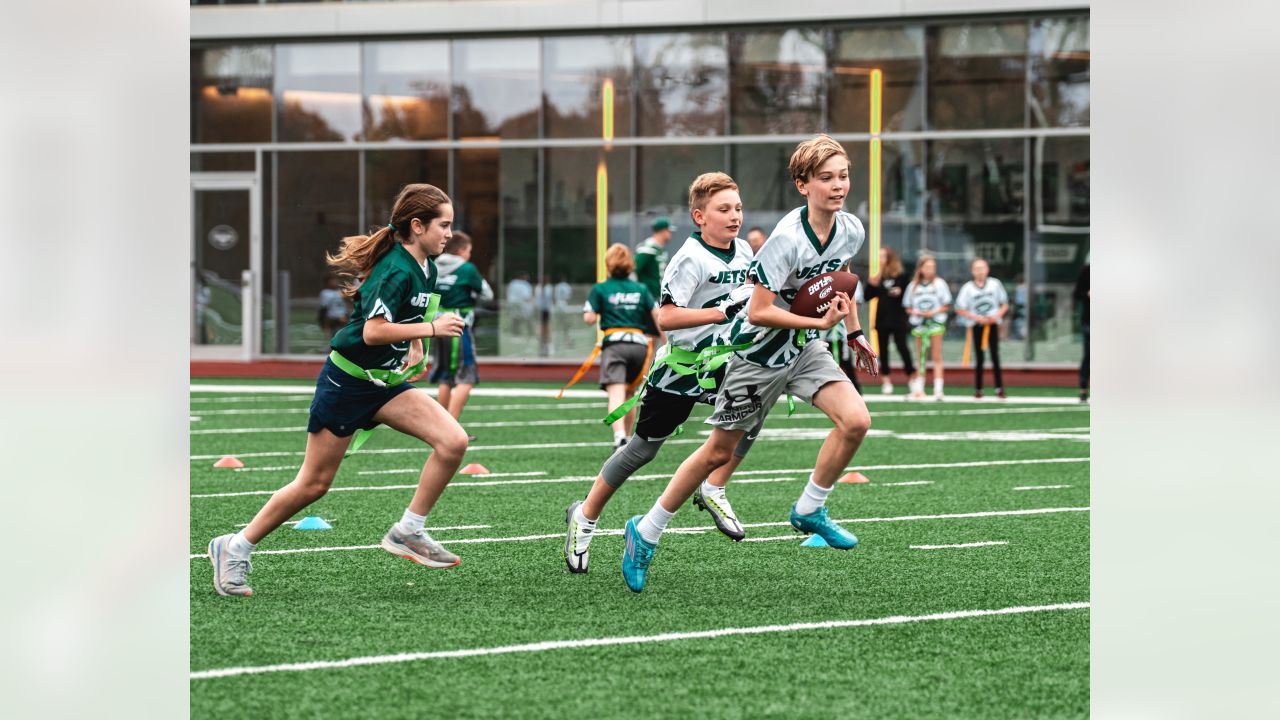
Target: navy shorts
(344, 404)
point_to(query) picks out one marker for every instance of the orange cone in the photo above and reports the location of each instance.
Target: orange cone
(854, 477)
(228, 461)
(474, 469)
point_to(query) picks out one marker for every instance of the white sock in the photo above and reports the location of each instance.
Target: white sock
(713, 490)
(412, 522)
(937, 386)
(654, 522)
(618, 436)
(582, 519)
(813, 497)
(240, 545)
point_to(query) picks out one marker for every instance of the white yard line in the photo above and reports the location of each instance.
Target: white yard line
(655, 476)
(1042, 487)
(985, 543)
(548, 645)
(584, 393)
(903, 484)
(691, 530)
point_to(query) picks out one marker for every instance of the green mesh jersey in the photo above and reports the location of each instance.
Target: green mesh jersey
(397, 289)
(621, 303)
(651, 265)
(459, 288)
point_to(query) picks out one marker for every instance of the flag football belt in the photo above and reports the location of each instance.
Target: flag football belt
(386, 378)
(455, 343)
(595, 353)
(701, 364)
(968, 342)
(929, 329)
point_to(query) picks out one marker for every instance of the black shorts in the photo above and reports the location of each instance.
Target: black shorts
(662, 412)
(622, 362)
(344, 404)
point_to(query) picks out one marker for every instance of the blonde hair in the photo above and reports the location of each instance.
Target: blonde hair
(920, 264)
(811, 154)
(706, 185)
(358, 254)
(617, 260)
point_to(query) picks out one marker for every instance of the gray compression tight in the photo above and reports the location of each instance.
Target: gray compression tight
(639, 451)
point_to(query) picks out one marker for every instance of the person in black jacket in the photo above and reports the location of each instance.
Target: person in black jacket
(1082, 296)
(891, 319)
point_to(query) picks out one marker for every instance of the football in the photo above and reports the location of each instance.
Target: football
(814, 297)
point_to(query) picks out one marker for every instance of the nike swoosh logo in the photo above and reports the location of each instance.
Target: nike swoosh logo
(334, 383)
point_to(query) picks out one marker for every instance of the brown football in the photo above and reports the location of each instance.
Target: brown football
(814, 297)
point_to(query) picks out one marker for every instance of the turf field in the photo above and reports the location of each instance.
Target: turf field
(902, 626)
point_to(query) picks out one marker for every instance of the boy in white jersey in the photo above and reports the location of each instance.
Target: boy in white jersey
(981, 304)
(785, 354)
(702, 289)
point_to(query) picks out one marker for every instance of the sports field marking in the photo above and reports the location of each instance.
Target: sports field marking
(600, 395)
(475, 407)
(482, 475)
(430, 529)
(984, 543)
(654, 476)
(1042, 487)
(903, 484)
(256, 398)
(547, 645)
(615, 532)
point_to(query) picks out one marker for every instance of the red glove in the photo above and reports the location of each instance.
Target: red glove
(865, 358)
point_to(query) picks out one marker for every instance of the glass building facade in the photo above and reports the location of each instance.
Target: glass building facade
(985, 153)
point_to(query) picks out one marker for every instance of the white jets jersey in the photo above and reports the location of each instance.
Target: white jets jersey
(699, 276)
(927, 298)
(985, 300)
(791, 257)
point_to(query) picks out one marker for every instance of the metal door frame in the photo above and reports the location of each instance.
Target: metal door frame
(250, 347)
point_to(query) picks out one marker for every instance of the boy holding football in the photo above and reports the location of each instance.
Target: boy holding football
(702, 290)
(785, 355)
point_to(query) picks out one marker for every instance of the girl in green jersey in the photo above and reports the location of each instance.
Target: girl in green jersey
(363, 384)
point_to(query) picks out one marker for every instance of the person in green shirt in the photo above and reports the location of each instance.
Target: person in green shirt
(362, 384)
(460, 285)
(651, 256)
(623, 308)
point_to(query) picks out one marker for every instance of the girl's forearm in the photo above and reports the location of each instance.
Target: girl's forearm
(385, 333)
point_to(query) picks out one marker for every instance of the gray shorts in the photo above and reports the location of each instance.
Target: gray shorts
(621, 362)
(749, 390)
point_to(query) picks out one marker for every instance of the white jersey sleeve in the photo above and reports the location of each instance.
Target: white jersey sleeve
(965, 301)
(681, 280)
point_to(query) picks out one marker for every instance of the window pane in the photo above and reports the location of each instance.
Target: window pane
(318, 85)
(683, 81)
(1059, 246)
(571, 252)
(406, 87)
(497, 92)
(899, 54)
(317, 207)
(779, 80)
(496, 202)
(977, 75)
(663, 176)
(386, 172)
(231, 94)
(976, 209)
(1059, 54)
(575, 70)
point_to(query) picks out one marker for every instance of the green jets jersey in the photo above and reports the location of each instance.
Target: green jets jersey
(396, 289)
(621, 304)
(460, 287)
(651, 265)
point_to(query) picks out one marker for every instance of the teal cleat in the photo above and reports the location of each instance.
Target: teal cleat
(819, 524)
(636, 556)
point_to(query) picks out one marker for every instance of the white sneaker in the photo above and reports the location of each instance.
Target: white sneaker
(721, 513)
(886, 388)
(419, 547)
(230, 573)
(577, 540)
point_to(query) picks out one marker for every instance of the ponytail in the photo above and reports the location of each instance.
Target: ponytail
(357, 255)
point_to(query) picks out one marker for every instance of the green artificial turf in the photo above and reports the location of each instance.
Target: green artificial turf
(348, 603)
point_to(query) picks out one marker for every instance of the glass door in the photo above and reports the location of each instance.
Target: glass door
(225, 278)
